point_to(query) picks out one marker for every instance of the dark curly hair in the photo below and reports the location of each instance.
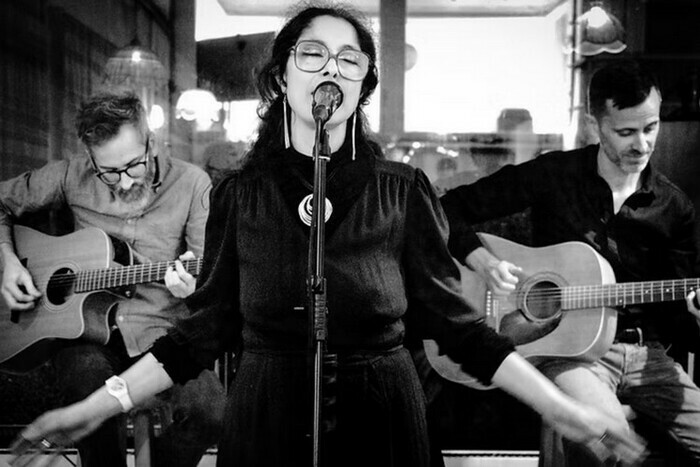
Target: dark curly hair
(270, 132)
(100, 117)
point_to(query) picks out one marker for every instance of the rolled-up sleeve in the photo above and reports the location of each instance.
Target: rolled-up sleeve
(215, 323)
(198, 214)
(30, 192)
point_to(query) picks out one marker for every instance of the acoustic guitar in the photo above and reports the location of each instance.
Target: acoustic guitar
(81, 276)
(564, 305)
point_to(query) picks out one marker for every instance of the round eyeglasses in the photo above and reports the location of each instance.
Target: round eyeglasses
(133, 169)
(312, 56)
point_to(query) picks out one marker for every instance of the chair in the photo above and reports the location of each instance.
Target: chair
(141, 421)
(143, 434)
(145, 421)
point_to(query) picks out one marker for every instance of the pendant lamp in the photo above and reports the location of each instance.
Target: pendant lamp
(600, 32)
(135, 66)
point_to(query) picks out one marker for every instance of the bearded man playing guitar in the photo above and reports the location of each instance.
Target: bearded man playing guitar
(128, 201)
(608, 197)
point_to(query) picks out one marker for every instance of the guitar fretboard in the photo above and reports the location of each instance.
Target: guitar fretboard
(98, 279)
(627, 293)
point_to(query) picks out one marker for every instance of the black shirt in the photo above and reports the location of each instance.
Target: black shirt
(386, 264)
(650, 238)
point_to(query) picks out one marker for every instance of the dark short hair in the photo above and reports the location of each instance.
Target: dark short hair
(625, 82)
(100, 118)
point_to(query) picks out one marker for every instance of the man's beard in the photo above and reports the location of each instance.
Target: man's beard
(135, 194)
(139, 194)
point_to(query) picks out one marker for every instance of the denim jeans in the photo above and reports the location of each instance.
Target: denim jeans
(641, 376)
(196, 408)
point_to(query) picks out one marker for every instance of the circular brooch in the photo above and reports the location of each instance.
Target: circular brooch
(306, 209)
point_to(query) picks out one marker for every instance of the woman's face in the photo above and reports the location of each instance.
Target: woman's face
(336, 34)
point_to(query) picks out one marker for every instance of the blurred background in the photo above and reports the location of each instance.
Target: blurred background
(466, 86)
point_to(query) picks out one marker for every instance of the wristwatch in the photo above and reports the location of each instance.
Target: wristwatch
(116, 387)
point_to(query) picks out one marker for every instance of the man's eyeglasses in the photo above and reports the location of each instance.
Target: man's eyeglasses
(133, 170)
(312, 56)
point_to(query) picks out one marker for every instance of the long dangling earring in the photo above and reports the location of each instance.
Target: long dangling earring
(286, 124)
(354, 131)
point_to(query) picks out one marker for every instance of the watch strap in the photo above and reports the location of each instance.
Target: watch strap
(117, 388)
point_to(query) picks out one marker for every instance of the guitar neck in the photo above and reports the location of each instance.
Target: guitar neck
(627, 293)
(98, 279)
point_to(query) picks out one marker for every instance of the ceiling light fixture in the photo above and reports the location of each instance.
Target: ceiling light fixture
(135, 66)
(600, 32)
(198, 104)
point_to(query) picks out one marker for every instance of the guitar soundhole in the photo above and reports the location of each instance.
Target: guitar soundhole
(60, 286)
(543, 300)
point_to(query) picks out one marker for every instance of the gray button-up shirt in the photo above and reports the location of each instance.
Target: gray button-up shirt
(172, 223)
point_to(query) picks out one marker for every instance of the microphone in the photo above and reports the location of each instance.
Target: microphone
(327, 97)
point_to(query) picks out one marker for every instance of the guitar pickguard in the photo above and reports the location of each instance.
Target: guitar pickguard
(537, 308)
(521, 330)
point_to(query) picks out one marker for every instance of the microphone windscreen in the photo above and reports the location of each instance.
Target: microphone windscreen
(327, 98)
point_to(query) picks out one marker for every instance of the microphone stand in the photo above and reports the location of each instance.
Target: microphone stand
(316, 282)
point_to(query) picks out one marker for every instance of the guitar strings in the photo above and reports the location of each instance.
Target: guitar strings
(571, 292)
(575, 294)
(613, 294)
(123, 274)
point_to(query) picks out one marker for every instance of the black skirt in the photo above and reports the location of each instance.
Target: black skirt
(377, 417)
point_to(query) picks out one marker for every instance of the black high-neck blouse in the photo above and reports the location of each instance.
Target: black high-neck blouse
(386, 254)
